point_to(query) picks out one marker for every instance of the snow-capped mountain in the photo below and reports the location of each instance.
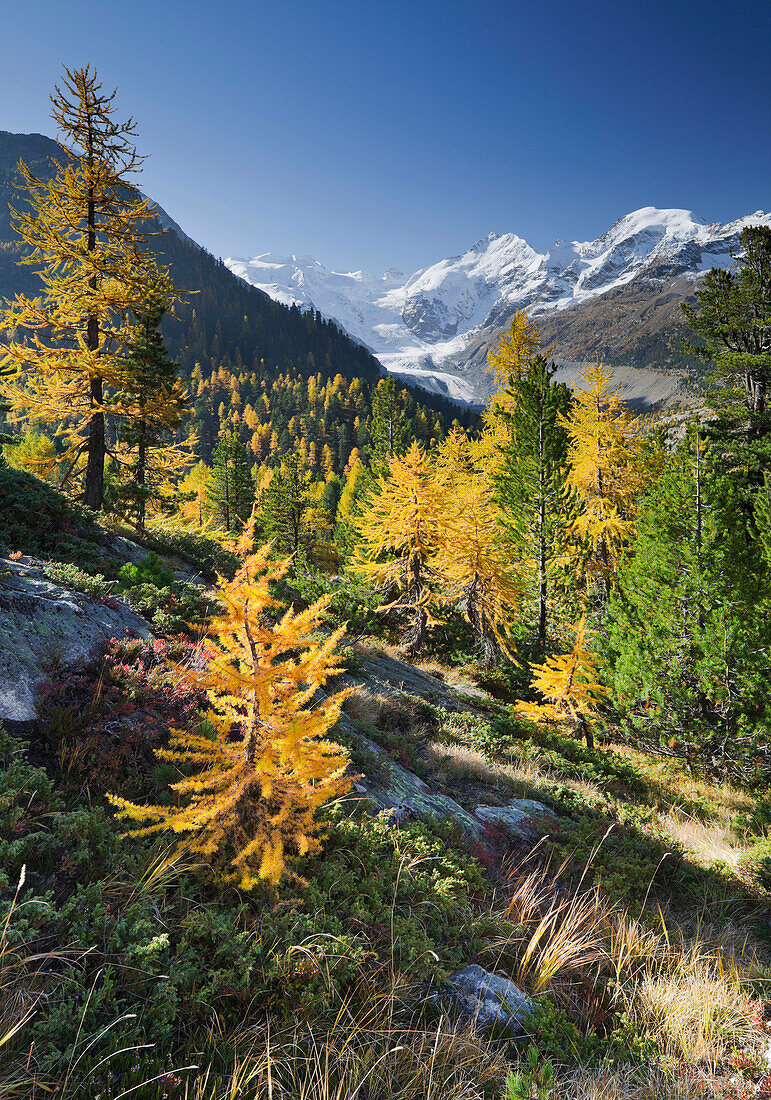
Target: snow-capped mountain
(435, 325)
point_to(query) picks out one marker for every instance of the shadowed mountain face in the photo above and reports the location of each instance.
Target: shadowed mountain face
(221, 315)
(616, 298)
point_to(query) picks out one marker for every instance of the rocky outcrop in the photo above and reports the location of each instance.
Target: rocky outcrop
(522, 818)
(489, 1000)
(44, 626)
(406, 795)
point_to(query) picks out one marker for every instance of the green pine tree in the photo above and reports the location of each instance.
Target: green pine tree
(389, 425)
(689, 635)
(732, 316)
(230, 490)
(531, 483)
(285, 504)
(155, 402)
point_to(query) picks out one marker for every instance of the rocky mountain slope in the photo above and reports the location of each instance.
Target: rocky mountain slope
(616, 297)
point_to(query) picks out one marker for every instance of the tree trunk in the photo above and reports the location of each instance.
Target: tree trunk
(141, 478)
(417, 632)
(488, 643)
(541, 540)
(94, 494)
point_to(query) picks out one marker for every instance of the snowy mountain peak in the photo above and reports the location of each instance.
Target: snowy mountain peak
(419, 324)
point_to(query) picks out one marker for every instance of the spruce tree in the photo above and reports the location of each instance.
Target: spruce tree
(531, 480)
(230, 489)
(688, 630)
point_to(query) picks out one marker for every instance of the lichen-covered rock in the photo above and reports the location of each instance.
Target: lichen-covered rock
(523, 818)
(44, 626)
(407, 795)
(490, 1000)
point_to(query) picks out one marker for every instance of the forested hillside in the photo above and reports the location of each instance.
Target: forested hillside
(222, 326)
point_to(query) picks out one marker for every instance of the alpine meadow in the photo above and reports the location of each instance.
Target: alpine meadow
(384, 662)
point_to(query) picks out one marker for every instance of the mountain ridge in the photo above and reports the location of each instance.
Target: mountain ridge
(435, 325)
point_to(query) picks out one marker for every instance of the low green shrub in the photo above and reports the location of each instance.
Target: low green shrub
(38, 520)
(205, 554)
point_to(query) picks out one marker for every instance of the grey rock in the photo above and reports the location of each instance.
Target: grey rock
(406, 795)
(523, 818)
(490, 1000)
(44, 626)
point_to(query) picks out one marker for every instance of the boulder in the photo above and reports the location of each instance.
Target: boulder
(522, 818)
(44, 626)
(407, 796)
(490, 1000)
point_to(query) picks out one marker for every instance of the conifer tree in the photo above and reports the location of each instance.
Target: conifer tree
(570, 687)
(514, 350)
(192, 494)
(153, 404)
(397, 539)
(732, 316)
(250, 794)
(688, 630)
(605, 473)
(83, 232)
(471, 555)
(284, 506)
(531, 480)
(230, 490)
(388, 426)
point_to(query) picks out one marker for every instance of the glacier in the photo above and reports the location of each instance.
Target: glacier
(420, 326)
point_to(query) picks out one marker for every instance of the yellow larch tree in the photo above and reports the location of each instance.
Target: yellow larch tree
(396, 534)
(471, 554)
(604, 458)
(506, 362)
(249, 799)
(570, 686)
(515, 348)
(82, 229)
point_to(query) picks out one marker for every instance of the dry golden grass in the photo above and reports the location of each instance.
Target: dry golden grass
(676, 785)
(367, 1055)
(523, 776)
(695, 1007)
(706, 842)
(628, 1083)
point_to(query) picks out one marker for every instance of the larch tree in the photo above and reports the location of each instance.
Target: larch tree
(396, 533)
(514, 350)
(82, 229)
(249, 798)
(471, 555)
(531, 479)
(570, 687)
(605, 473)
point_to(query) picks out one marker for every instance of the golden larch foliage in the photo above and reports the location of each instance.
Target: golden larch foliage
(254, 784)
(569, 683)
(471, 554)
(604, 457)
(84, 232)
(397, 538)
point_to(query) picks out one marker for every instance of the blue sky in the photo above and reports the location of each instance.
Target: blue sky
(372, 134)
